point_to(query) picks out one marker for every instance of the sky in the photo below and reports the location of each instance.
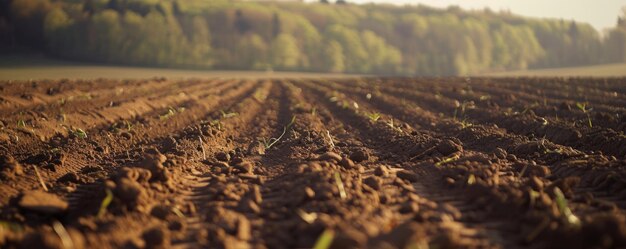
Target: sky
(599, 13)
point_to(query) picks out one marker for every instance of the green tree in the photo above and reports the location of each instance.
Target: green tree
(251, 53)
(200, 43)
(355, 54)
(333, 57)
(285, 54)
(55, 26)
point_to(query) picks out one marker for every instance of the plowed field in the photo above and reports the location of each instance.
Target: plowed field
(282, 163)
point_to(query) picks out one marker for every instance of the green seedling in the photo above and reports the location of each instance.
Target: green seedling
(129, 125)
(583, 107)
(260, 96)
(342, 189)
(528, 108)
(564, 209)
(228, 114)
(15, 227)
(325, 239)
(217, 124)
(21, 123)
(345, 105)
(390, 124)
(80, 133)
(105, 203)
(170, 112)
(465, 123)
(86, 96)
(447, 160)
(464, 106)
(272, 141)
(373, 116)
(533, 197)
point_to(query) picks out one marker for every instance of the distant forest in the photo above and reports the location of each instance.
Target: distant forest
(320, 37)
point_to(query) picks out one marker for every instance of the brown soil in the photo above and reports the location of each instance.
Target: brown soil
(372, 162)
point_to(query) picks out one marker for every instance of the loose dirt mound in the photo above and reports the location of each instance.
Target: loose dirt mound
(349, 163)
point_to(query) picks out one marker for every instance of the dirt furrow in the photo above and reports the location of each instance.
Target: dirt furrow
(24, 94)
(489, 139)
(72, 156)
(466, 231)
(290, 163)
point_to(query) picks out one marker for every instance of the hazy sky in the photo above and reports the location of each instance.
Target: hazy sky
(599, 13)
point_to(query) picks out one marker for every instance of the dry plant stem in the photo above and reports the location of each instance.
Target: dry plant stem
(43, 185)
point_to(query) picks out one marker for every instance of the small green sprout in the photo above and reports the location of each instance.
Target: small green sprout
(170, 112)
(80, 133)
(105, 203)
(447, 160)
(21, 123)
(462, 107)
(465, 123)
(565, 211)
(325, 239)
(228, 114)
(260, 96)
(373, 116)
(15, 227)
(583, 107)
(272, 141)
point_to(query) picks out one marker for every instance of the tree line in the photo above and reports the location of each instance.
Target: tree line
(377, 39)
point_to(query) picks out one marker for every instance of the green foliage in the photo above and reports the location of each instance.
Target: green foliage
(447, 160)
(285, 53)
(325, 239)
(307, 37)
(170, 112)
(105, 203)
(272, 141)
(373, 116)
(21, 124)
(564, 209)
(79, 133)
